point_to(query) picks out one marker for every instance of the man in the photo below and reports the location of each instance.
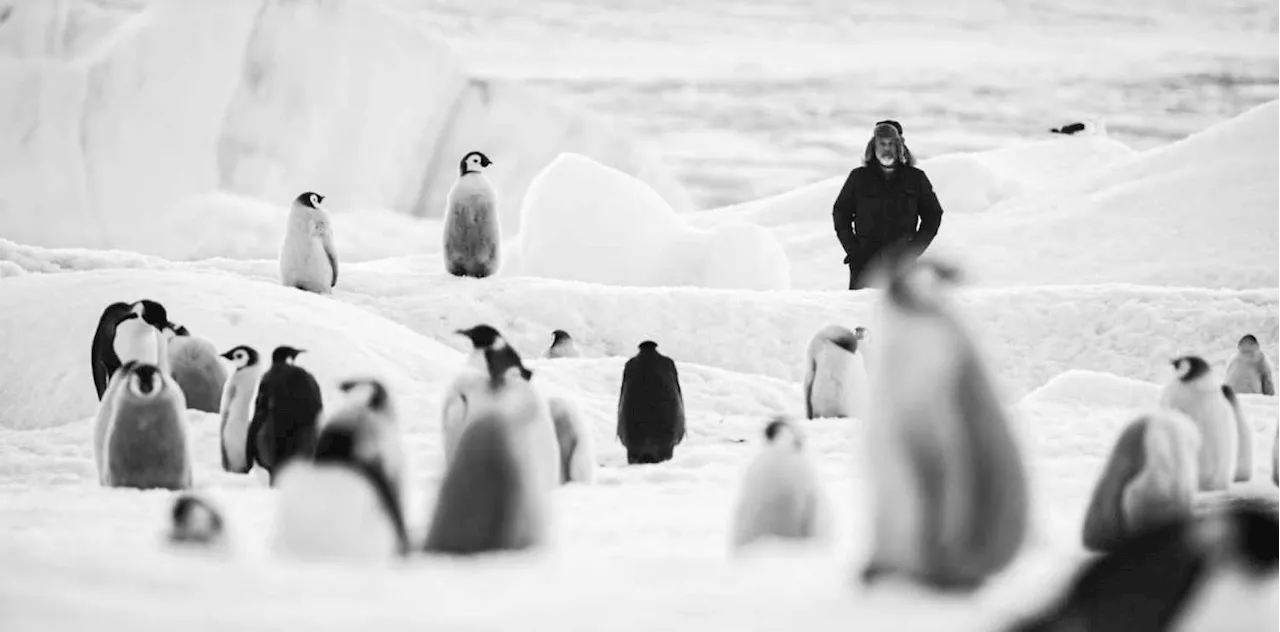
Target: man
(885, 203)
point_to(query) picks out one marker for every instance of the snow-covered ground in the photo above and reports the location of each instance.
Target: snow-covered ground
(1090, 260)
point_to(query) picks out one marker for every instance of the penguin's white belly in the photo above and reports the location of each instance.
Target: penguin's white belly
(1216, 422)
(330, 512)
(137, 340)
(236, 430)
(304, 261)
(542, 448)
(839, 385)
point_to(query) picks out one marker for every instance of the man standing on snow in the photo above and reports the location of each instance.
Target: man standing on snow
(887, 202)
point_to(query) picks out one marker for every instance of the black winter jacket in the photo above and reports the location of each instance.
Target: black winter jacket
(872, 212)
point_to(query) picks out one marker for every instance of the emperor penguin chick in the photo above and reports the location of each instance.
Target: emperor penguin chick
(562, 345)
(949, 486)
(195, 521)
(1196, 392)
(195, 367)
(369, 411)
(308, 258)
(472, 232)
(491, 498)
(835, 375)
(140, 434)
(1149, 480)
(1249, 370)
(236, 407)
(340, 506)
(286, 413)
(780, 495)
(577, 441)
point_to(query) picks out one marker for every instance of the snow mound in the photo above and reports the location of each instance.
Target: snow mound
(243, 97)
(1096, 388)
(585, 221)
(50, 320)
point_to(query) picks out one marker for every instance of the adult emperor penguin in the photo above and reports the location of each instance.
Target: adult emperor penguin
(341, 505)
(1249, 370)
(476, 390)
(576, 440)
(491, 498)
(286, 413)
(562, 345)
(127, 331)
(194, 364)
(1210, 572)
(140, 434)
(1149, 480)
(650, 407)
(236, 407)
(195, 521)
(1244, 437)
(472, 231)
(1197, 393)
(781, 496)
(835, 375)
(949, 487)
(308, 258)
(368, 409)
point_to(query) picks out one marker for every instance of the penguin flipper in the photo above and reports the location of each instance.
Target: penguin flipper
(326, 239)
(1104, 526)
(809, 371)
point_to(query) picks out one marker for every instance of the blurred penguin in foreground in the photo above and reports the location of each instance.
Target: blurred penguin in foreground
(885, 202)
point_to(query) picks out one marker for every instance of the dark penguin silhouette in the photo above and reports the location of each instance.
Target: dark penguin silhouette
(650, 407)
(286, 415)
(103, 361)
(1068, 129)
(1148, 583)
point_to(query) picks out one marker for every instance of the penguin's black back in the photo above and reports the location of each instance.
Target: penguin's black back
(651, 407)
(286, 417)
(103, 360)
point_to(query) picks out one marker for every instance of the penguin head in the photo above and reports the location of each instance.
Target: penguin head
(1189, 368)
(1247, 343)
(285, 354)
(483, 336)
(862, 333)
(242, 356)
(781, 433)
(367, 392)
(559, 335)
(648, 346)
(473, 162)
(501, 361)
(145, 381)
(309, 199)
(151, 312)
(195, 520)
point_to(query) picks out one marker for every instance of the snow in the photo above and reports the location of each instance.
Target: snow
(119, 113)
(584, 221)
(1093, 265)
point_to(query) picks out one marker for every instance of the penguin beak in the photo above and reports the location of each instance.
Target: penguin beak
(226, 355)
(319, 198)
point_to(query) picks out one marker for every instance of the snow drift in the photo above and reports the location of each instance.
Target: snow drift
(585, 221)
(119, 112)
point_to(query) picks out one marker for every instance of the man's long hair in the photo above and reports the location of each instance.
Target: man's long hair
(869, 156)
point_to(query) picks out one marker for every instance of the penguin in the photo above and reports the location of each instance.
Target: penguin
(127, 331)
(195, 521)
(1195, 573)
(835, 375)
(650, 406)
(308, 258)
(140, 433)
(286, 414)
(103, 360)
(340, 506)
(472, 231)
(1275, 456)
(473, 391)
(237, 406)
(369, 410)
(1249, 370)
(193, 363)
(1197, 393)
(780, 496)
(490, 498)
(1150, 479)
(1244, 437)
(576, 441)
(949, 486)
(562, 345)
(1068, 129)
